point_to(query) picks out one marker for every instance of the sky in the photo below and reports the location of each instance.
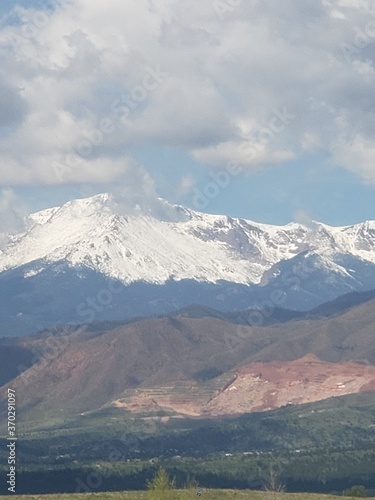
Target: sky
(257, 108)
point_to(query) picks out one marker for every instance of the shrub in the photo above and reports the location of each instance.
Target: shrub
(160, 487)
(355, 491)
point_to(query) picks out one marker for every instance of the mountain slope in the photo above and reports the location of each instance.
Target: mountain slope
(259, 386)
(138, 264)
(183, 244)
(134, 247)
(83, 370)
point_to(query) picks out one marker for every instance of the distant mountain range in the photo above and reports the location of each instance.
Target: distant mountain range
(94, 259)
(194, 363)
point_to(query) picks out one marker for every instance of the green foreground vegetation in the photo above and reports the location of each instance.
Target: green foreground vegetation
(324, 447)
(184, 495)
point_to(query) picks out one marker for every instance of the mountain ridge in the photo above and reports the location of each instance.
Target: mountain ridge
(96, 259)
(90, 222)
(82, 370)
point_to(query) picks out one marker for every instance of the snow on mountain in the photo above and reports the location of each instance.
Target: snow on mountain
(174, 242)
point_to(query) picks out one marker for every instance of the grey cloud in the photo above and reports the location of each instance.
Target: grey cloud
(13, 107)
(224, 79)
(13, 215)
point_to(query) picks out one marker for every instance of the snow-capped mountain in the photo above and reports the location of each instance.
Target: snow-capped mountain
(172, 246)
(177, 244)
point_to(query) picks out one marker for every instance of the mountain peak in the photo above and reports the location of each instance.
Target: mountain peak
(161, 241)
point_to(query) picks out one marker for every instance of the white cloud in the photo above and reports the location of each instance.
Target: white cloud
(13, 215)
(245, 154)
(69, 73)
(185, 185)
(304, 218)
(358, 156)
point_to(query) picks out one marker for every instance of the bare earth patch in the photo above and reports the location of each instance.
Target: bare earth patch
(258, 386)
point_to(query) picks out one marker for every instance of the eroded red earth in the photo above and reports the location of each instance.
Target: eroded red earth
(257, 386)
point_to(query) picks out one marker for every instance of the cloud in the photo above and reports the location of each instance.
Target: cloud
(242, 153)
(85, 83)
(358, 156)
(302, 217)
(185, 185)
(13, 215)
(12, 105)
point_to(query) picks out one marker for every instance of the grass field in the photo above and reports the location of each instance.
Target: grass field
(184, 495)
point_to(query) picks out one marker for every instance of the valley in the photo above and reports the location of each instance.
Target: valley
(136, 395)
(187, 249)
(124, 358)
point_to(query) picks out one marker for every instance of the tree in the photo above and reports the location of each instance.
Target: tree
(190, 483)
(161, 486)
(272, 485)
(355, 491)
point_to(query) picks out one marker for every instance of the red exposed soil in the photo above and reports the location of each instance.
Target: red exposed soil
(259, 386)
